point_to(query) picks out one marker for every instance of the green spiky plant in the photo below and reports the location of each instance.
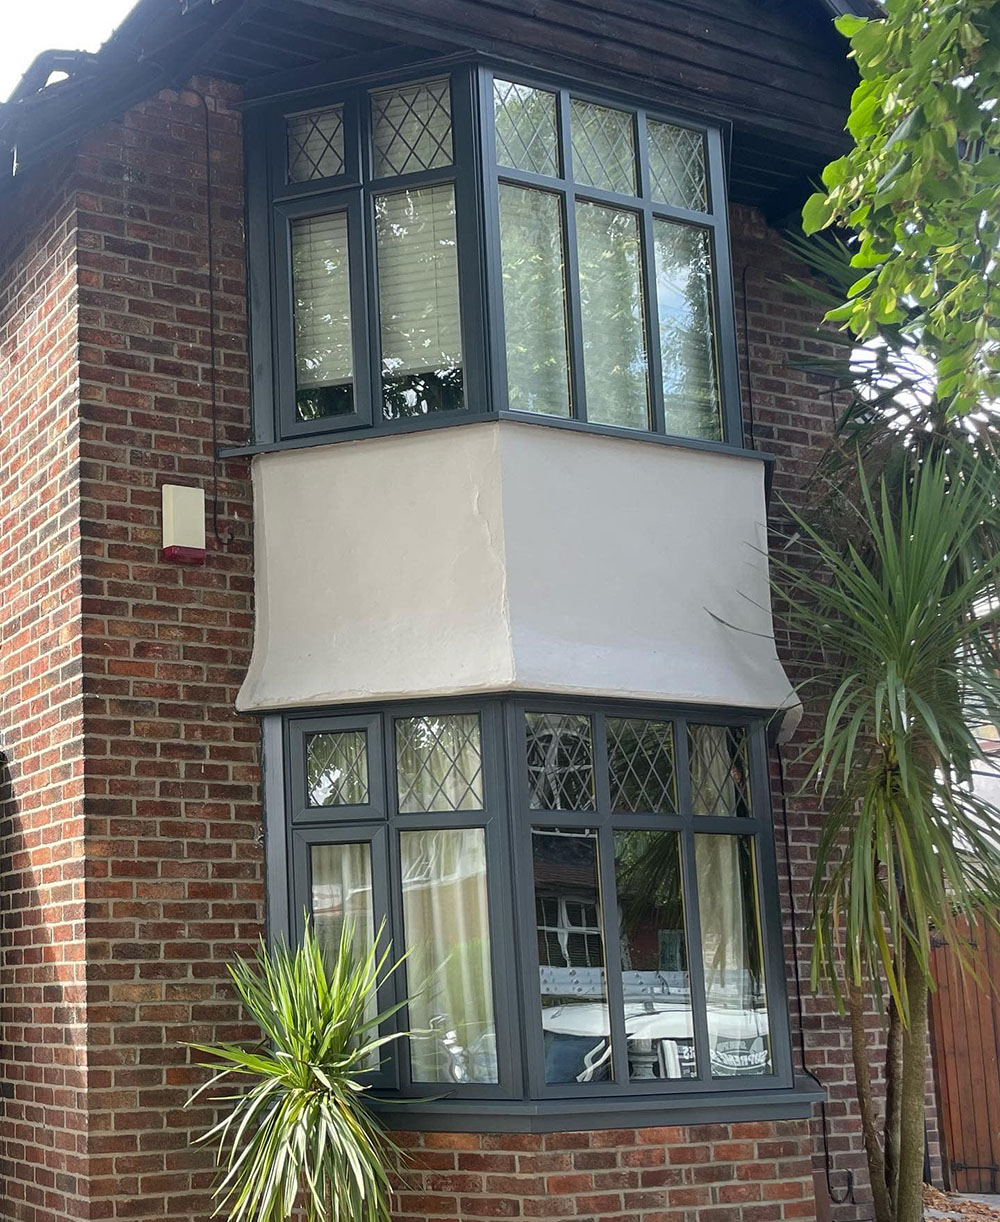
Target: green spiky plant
(298, 1132)
(902, 619)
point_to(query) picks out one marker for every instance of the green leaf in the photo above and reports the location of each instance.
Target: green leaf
(848, 25)
(817, 212)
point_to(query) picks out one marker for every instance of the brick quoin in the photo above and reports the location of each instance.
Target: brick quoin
(131, 820)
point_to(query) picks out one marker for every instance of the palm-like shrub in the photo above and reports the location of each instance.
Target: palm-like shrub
(298, 1131)
(902, 620)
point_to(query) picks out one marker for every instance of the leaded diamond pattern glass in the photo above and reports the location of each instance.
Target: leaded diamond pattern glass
(677, 166)
(411, 128)
(337, 768)
(641, 765)
(718, 758)
(603, 147)
(439, 763)
(316, 144)
(560, 761)
(527, 137)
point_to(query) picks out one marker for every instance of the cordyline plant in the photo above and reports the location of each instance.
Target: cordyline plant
(900, 601)
(298, 1132)
(920, 190)
(903, 621)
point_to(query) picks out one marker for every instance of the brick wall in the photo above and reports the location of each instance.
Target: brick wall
(173, 863)
(168, 787)
(757, 1172)
(42, 1009)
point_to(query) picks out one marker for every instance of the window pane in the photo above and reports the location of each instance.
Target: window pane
(527, 136)
(448, 947)
(733, 955)
(439, 763)
(641, 765)
(611, 303)
(321, 290)
(571, 956)
(683, 258)
(411, 128)
(534, 301)
(418, 302)
(718, 757)
(677, 166)
(655, 978)
(603, 147)
(337, 768)
(342, 891)
(560, 761)
(316, 144)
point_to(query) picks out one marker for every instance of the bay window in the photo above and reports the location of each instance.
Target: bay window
(585, 895)
(467, 243)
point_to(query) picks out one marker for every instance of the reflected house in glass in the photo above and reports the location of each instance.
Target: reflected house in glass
(479, 322)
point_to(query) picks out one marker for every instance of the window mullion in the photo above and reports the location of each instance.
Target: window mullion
(572, 264)
(394, 910)
(471, 242)
(373, 364)
(496, 331)
(725, 302)
(692, 913)
(612, 953)
(654, 355)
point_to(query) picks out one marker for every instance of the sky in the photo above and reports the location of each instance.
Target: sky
(30, 26)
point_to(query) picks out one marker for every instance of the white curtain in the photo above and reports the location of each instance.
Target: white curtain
(713, 787)
(342, 891)
(448, 965)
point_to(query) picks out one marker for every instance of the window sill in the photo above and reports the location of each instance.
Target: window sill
(415, 426)
(566, 1115)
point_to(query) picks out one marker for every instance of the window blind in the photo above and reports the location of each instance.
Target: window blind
(418, 281)
(322, 295)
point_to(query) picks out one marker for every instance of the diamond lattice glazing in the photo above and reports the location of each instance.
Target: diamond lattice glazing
(677, 166)
(720, 770)
(316, 144)
(603, 147)
(560, 761)
(337, 769)
(526, 133)
(439, 763)
(641, 765)
(411, 128)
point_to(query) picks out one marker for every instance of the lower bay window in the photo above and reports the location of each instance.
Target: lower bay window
(586, 896)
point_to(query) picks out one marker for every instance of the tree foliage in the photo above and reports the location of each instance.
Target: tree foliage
(920, 190)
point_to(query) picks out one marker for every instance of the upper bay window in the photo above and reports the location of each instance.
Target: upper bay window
(471, 243)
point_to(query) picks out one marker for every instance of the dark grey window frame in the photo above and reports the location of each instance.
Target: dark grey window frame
(272, 202)
(522, 1099)
(713, 220)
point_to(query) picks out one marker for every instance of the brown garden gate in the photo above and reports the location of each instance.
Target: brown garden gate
(965, 1039)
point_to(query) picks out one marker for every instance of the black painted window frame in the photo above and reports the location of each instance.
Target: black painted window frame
(273, 202)
(293, 827)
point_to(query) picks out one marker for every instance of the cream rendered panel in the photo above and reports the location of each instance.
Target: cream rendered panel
(379, 570)
(638, 570)
(502, 556)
